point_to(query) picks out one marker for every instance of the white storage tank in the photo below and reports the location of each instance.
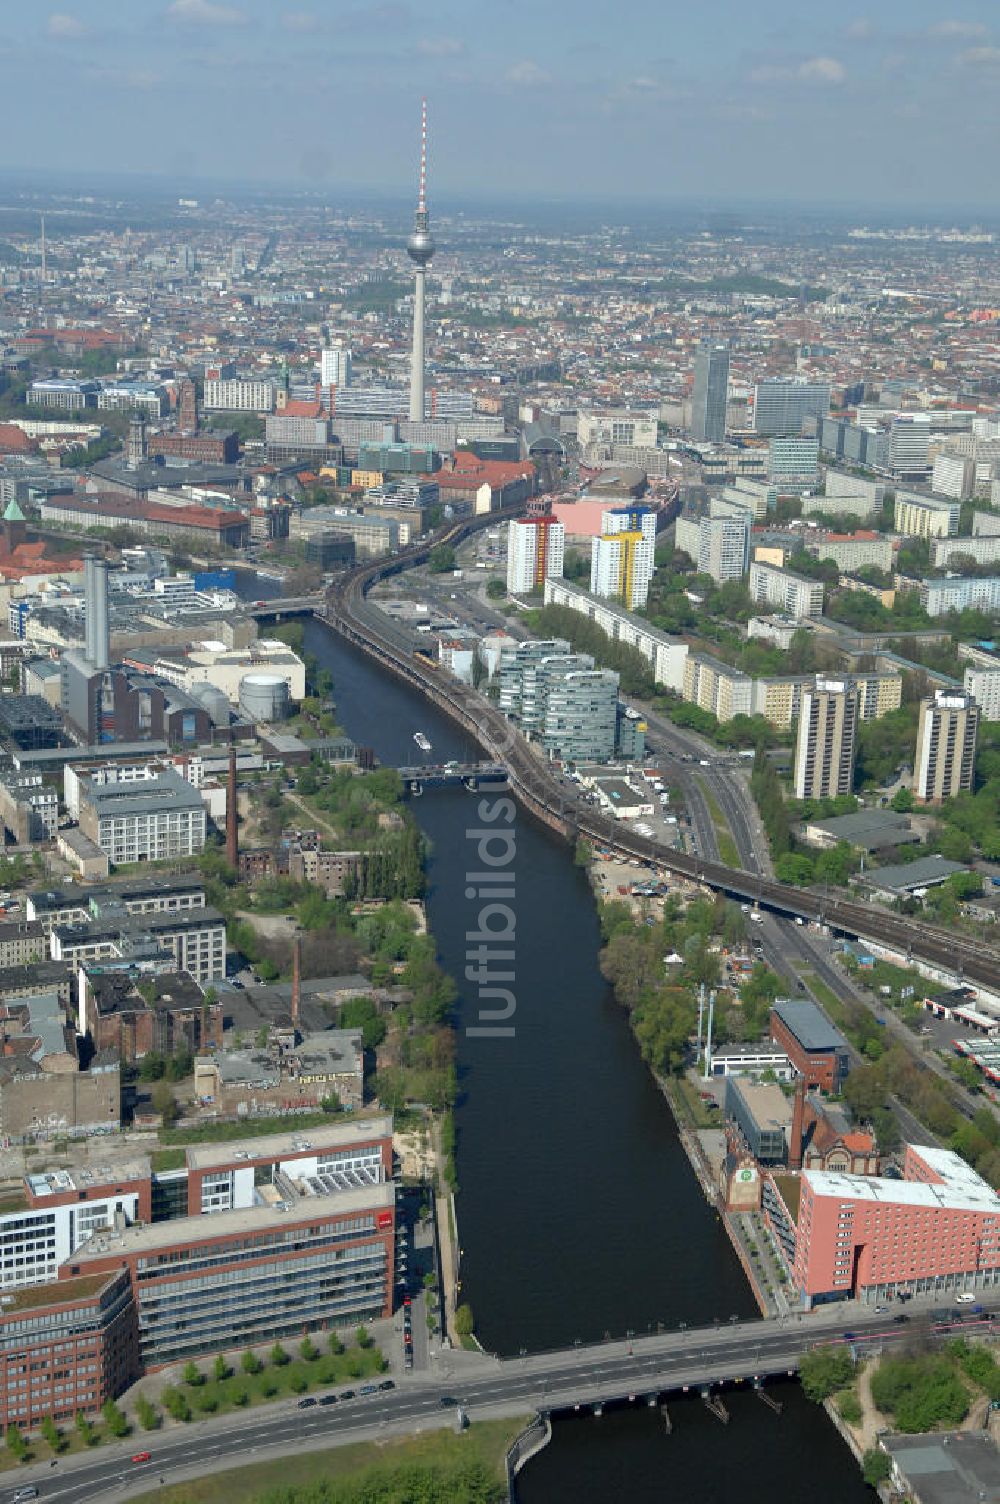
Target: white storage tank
(264, 697)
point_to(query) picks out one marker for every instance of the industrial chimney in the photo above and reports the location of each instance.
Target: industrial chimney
(97, 635)
(296, 980)
(232, 815)
(797, 1130)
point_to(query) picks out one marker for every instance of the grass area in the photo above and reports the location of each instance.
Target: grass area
(168, 1159)
(275, 1381)
(825, 995)
(695, 1111)
(485, 1443)
(723, 835)
(220, 1133)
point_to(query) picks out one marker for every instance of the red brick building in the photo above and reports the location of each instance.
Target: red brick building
(818, 1052)
(936, 1230)
(67, 1347)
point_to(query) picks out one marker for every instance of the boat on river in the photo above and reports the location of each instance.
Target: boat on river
(421, 741)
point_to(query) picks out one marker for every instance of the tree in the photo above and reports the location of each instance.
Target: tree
(308, 1349)
(164, 1103)
(902, 803)
(363, 1337)
(464, 1324)
(250, 1363)
(114, 1418)
(85, 1430)
(441, 559)
(16, 1444)
(876, 1466)
(823, 1370)
(921, 1392)
(52, 1434)
(279, 1356)
(147, 1413)
(220, 1368)
(193, 1375)
(496, 590)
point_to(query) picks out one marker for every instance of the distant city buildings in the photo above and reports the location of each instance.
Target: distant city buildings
(709, 393)
(780, 405)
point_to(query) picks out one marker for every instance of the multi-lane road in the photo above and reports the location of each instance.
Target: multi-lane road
(640, 1368)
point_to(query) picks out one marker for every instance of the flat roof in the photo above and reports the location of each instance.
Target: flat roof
(925, 872)
(275, 1145)
(863, 823)
(809, 1024)
(58, 1182)
(962, 1189)
(220, 1225)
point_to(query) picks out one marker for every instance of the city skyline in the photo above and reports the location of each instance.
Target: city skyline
(845, 109)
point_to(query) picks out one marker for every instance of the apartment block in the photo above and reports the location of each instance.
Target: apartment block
(793, 594)
(535, 551)
(939, 597)
(714, 686)
(196, 941)
(951, 553)
(983, 684)
(925, 516)
(853, 551)
(827, 737)
(666, 655)
(946, 746)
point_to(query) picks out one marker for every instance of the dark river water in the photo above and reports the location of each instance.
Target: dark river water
(578, 1213)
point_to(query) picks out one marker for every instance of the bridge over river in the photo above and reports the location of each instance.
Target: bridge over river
(641, 1369)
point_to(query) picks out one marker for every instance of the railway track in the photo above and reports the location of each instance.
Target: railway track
(541, 793)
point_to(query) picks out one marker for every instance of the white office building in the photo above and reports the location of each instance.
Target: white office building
(781, 405)
(335, 366)
(237, 395)
(617, 426)
(954, 476)
(909, 438)
(793, 462)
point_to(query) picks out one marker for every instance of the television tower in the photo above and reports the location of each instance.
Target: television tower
(420, 248)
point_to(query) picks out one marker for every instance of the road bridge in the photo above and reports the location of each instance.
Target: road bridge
(639, 1369)
(286, 605)
(451, 774)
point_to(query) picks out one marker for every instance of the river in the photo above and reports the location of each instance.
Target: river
(578, 1213)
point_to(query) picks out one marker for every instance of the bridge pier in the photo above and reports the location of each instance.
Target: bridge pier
(668, 1424)
(714, 1405)
(765, 1398)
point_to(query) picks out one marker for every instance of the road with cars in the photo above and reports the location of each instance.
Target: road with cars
(637, 1368)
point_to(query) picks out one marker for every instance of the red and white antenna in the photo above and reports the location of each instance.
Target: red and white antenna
(422, 200)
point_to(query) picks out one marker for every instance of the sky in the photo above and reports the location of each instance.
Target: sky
(893, 102)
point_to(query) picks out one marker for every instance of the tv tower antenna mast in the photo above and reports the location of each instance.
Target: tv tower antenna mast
(420, 248)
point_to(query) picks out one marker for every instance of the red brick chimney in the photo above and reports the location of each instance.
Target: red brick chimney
(296, 979)
(798, 1113)
(232, 817)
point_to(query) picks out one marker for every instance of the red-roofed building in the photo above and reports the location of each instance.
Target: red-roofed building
(14, 440)
(151, 519)
(487, 484)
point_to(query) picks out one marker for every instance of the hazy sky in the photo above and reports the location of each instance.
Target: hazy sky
(883, 102)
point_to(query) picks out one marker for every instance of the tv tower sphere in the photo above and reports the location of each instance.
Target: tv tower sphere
(420, 247)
